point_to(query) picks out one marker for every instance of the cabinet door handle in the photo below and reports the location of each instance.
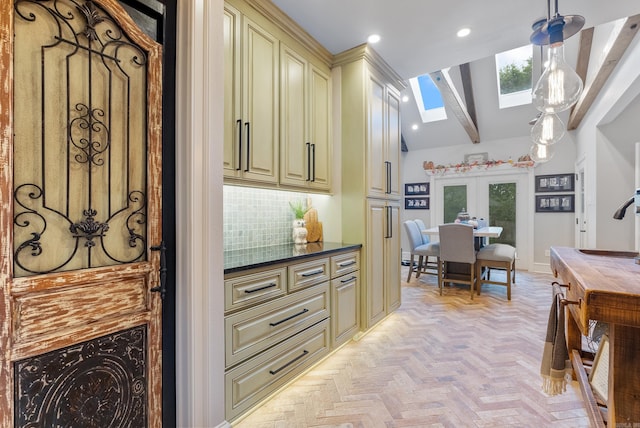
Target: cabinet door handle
(248, 144)
(304, 352)
(348, 279)
(313, 152)
(304, 311)
(345, 264)
(388, 170)
(308, 161)
(388, 224)
(253, 290)
(312, 273)
(239, 122)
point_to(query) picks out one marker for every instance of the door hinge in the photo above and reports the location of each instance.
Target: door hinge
(162, 288)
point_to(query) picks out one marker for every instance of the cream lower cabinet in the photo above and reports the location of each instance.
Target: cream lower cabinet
(345, 297)
(281, 320)
(382, 294)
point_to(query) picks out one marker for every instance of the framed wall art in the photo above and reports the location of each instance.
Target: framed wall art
(555, 203)
(555, 183)
(416, 189)
(416, 203)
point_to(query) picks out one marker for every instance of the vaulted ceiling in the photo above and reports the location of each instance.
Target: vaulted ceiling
(419, 36)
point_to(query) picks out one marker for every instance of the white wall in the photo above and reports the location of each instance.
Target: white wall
(609, 176)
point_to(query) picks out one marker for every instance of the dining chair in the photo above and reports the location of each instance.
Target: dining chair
(496, 256)
(456, 247)
(421, 226)
(423, 251)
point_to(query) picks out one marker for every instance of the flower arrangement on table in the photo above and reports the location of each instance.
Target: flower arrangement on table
(522, 162)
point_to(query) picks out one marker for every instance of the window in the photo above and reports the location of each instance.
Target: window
(513, 71)
(428, 98)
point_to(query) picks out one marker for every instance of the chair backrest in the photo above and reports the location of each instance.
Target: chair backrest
(421, 226)
(413, 233)
(456, 243)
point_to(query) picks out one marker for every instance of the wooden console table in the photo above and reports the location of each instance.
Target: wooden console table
(605, 286)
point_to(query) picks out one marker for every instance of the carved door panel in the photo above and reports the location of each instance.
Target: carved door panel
(80, 149)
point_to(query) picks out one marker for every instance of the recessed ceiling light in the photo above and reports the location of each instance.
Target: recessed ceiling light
(414, 127)
(463, 32)
(405, 99)
(374, 38)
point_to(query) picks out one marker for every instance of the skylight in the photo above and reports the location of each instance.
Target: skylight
(428, 99)
(513, 72)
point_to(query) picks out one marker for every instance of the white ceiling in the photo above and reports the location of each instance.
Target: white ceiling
(419, 36)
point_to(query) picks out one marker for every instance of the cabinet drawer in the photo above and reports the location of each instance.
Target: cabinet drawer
(255, 288)
(303, 275)
(254, 380)
(256, 329)
(345, 263)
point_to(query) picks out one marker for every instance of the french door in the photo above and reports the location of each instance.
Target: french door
(81, 223)
(501, 198)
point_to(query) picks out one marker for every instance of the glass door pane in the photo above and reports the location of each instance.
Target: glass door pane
(455, 200)
(502, 211)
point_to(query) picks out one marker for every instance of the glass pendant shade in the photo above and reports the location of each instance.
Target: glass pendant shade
(541, 153)
(548, 129)
(559, 86)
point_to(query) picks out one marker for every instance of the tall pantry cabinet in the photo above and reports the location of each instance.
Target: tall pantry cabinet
(370, 103)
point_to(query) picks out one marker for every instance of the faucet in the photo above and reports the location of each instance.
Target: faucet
(619, 214)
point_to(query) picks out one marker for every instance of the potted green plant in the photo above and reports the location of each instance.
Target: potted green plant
(298, 208)
(299, 231)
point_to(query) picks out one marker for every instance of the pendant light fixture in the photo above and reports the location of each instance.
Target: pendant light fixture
(541, 153)
(548, 129)
(559, 85)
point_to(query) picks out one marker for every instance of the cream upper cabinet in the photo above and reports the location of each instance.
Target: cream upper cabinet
(304, 122)
(392, 141)
(277, 107)
(383, 138)
(251, 73)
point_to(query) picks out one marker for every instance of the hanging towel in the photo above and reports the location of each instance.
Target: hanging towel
(555, 367)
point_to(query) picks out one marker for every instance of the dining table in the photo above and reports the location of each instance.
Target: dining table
(480, 235)
(482, 232)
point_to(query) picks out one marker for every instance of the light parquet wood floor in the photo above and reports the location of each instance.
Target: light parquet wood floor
(438, 361)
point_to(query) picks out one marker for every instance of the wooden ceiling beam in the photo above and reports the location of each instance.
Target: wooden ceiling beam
(467, 90)
(453, 100)
(591, 91)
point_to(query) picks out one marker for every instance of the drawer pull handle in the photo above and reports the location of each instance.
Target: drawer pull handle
(345, 264)
(561, 285)
(571, 302)
(304, 311)
(273, 284)
(304, 352)
(313, 272)
(348, 279)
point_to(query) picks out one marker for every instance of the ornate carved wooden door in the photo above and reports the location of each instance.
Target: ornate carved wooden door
(80, 150)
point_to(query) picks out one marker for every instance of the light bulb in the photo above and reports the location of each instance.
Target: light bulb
(541, 153)
(548, 129)
(559, 86)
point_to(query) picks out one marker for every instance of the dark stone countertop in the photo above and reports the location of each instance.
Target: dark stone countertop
(250, 258)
